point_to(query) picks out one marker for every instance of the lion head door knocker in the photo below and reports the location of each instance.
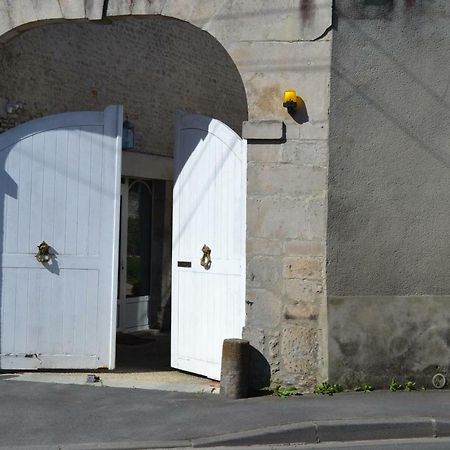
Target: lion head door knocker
(205, 261)
(43, 255)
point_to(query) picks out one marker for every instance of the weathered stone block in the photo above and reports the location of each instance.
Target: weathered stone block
(262, 129)
(264, 272)
(264, 308)
(296, 289)
(308, 267)
(262, 247)
(317, 218)
(295, 247)
(299, 350)
(313, 153)
(264, 153)
(279, 218)
(301, 311)
(292, 131)
(273, 178)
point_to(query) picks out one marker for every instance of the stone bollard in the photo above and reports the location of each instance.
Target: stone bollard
(234, 376)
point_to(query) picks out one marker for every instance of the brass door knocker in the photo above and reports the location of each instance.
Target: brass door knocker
(43, 255)
(205, 261)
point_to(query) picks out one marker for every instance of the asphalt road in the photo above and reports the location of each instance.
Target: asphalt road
(74, 416)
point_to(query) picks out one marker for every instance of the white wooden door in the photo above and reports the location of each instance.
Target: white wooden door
(209, 198)
(60, 182)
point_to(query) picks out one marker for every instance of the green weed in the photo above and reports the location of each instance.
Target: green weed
(326, 388)
(410, 386)
(363, 388)
(394, 386)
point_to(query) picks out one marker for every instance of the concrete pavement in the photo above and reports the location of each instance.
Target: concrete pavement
(45, 415)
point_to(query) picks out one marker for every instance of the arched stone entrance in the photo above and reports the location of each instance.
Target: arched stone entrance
(153, 66)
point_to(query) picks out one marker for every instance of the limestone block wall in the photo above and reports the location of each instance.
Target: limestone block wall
(276, 45)
(286, 210)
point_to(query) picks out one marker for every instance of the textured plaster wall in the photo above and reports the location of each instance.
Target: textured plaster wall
(277, 45)
(389, 202)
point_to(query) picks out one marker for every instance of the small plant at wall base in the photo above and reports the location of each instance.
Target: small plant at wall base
(363, 388)
(287, 391)
(281, 391)
(410, 386)
(394, 386)
(326, 388)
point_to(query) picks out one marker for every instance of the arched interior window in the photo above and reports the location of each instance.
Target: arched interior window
(139, 239)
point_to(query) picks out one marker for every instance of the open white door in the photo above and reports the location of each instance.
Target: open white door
(60, 182)
(209, 199)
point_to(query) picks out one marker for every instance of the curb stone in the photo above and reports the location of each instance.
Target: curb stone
(296, 433)
(333, 431)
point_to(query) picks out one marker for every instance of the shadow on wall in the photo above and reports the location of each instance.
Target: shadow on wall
(259, 371)
(8, 188)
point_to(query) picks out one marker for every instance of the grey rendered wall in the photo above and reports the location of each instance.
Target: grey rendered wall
(388, 242)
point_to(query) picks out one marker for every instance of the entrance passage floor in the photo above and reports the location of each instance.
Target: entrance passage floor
(142, 362)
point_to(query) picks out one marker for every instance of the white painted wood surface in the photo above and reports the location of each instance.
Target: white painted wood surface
(60, 182)
(209, 207)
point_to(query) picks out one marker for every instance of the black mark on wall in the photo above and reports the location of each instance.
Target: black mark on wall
(307, 9)
(365, 9)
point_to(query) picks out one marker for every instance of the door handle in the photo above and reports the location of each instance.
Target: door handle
(43, 255)
(206, 261)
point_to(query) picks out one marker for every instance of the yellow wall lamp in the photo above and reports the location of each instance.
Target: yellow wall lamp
(291, 101)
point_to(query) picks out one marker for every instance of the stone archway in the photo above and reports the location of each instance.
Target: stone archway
(151, 65)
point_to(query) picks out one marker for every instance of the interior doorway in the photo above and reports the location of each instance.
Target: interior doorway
(143, 334)
(135, 261)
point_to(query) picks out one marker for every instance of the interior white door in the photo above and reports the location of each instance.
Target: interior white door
(60, 182)
(135, 255)
(209, 208)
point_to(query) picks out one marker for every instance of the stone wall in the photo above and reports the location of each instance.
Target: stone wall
(152, 66)
(286, 226)
(388, 230)
(277, 45)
